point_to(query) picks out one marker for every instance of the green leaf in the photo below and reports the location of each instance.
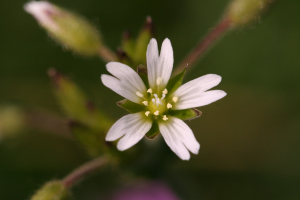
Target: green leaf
(187, 114)
(142, 71)
(153, 132)
(175, 82)
(131, 106)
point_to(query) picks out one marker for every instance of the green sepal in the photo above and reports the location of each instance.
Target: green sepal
(123, 57)
(88, 138)
(128, 43)
(175, 82)
(142, 72)
(187, 114)
(52, 190)
(131, 106)
(142, 42)
(153, 132)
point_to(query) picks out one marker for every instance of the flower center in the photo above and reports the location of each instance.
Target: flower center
(157, 106)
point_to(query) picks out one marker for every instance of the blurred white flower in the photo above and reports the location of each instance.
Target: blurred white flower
(158, 103)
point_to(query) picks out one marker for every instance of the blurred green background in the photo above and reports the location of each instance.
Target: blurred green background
(249, 140)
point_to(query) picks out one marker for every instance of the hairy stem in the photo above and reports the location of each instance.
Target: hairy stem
(83, 171)
(221, 28)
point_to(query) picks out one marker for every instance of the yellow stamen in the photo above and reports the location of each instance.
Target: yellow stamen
(165, 118)
(169, 106)
(139, 94)
(145, 103)
(165, 91)
(147, 113)
(175, 99)
(156, 113)
(149, 90)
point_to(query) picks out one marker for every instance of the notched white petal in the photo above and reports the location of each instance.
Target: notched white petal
(152, 61)
(197, 100)
(126, 75)
(133, 126)
(134, 130)
(166, 60)
(179, 137)
(198, 85)
(117, 86)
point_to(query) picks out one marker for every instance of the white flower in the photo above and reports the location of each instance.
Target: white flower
(158, 102)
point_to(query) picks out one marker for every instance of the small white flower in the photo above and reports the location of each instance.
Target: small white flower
(127, 83)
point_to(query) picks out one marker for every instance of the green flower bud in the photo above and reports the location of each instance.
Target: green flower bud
(72, 31)
(11, 121)
(243, 12)
(53, 190)
(75, 103)
(147, 32)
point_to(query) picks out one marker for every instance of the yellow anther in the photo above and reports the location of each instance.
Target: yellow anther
(147, 113)
(158, 81)
(149, 90)
(145, 103)
(139, 94)
(156, 113)
(165, 118)
(169, 106)
(165, 91)
(175, 99)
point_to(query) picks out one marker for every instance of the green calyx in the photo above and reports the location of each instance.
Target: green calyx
(52, 190)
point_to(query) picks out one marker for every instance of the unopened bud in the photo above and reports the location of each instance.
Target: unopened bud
(52, 190)
(11, 121)
(142, 41)
(72, 31)
(243, 12)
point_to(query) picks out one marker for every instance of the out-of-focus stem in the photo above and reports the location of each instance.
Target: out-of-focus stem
(86, 169)
(219, 30)
(106, 54)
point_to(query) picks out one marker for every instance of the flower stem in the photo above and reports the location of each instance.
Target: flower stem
(198, 52)
(106, 54)
(80, 173)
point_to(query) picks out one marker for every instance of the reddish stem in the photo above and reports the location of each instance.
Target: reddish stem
(84, 170)
(221, 28)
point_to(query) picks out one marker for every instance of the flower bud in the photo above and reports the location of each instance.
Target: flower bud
(72, 31)
(52, 190)
(147, 32)
(11, 121)
(243, 12)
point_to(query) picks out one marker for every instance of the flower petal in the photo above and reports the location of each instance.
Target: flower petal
(152, 61)
(196, 100)
(200, 84)
(128, 124)
(122, 88)
(127, 75)
(133, 126)
(192, 94)
(179, 137)
(166, 60)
